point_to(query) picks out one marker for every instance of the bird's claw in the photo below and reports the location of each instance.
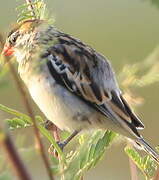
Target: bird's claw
(53, 151)
(61, 145)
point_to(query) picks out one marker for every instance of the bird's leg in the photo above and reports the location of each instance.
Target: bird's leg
(66, 141)
(51, 127)
(54, 130)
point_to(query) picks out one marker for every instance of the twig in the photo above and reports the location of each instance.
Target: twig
(31, 114)
(55, 129)
(8, 146)
(133, 170)
(13, 157)
(157, 175)
(132, 165)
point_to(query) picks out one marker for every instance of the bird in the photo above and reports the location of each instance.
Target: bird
(72, 84)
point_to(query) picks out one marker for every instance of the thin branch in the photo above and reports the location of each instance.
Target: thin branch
(157, 175)
(55, 129)
(132, 165)
(13, 157)
(133, 170)
(31, 114)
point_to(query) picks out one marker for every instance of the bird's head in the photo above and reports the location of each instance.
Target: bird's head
(21, 38)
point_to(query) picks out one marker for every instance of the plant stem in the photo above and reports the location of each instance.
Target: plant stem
(31, 114)
(133, 170)
(157, 175)
(13, 157)
(132, 165)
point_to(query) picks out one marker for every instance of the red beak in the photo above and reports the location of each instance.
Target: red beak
(7, 50)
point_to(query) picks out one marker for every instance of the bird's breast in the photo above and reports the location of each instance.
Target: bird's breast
(58, 104)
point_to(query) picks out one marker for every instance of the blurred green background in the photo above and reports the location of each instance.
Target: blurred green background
(126, 32)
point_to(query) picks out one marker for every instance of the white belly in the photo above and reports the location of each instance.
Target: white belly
(58, 105)
(66, 111)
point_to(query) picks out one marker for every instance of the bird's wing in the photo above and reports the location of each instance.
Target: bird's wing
(89, 75)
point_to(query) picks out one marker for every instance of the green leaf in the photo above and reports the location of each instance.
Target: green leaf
(39, 11)
(88, 154)
(146, 164)
(23, 18)
(24, 117)
(17, 123)
(25, 5)
(24, 120)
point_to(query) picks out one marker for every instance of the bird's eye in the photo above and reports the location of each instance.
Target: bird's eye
(13, 39)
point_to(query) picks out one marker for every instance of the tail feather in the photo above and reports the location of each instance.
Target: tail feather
(119, 111)
(135, 120)
(152, 152)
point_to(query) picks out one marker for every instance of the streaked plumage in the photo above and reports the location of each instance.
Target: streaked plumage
(73, 85)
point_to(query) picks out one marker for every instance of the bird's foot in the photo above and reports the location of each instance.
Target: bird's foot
(62, 144)
(53, 151)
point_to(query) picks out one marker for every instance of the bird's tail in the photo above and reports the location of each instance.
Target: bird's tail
(151, 151)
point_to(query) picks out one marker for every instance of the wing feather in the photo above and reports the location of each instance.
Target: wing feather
(89, 75)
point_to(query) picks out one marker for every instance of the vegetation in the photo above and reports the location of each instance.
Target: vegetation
(90, 148)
